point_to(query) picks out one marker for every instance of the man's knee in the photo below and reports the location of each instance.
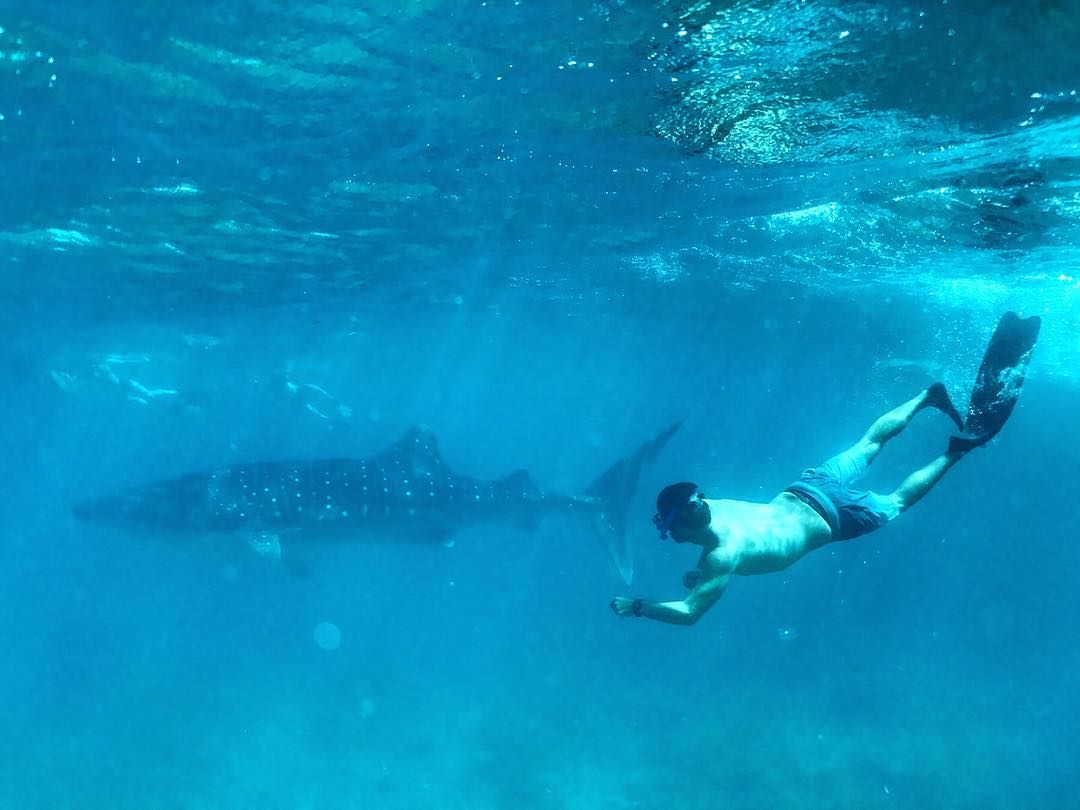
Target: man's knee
(865, 450)
(869, 445)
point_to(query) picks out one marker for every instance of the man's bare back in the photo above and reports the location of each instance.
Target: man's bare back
(759, 538)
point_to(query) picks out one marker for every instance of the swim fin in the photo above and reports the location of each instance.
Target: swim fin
(998, 383)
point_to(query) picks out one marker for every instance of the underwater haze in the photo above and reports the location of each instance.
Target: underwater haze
(247, 231)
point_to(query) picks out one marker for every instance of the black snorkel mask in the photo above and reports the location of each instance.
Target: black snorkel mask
(664, 522)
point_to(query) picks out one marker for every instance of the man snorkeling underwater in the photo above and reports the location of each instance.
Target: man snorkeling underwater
(741, 538)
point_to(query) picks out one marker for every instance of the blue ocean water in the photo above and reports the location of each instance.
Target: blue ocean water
(240, 231)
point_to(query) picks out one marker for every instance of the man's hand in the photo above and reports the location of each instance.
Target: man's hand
(625, 606)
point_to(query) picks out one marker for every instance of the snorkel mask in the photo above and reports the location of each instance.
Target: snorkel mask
(673, 504)
(663, 522)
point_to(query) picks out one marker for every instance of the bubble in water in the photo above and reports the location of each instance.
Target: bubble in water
(327, 636)
(787, 633)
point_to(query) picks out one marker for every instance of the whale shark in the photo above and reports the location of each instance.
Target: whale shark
(406, 493)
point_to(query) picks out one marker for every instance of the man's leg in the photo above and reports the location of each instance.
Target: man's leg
(889, 425)
(922, 481)
(884, 428)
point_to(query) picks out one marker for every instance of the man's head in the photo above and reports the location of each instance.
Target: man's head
(681, 512)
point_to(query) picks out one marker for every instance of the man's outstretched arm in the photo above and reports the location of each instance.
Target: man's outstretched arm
(686, 611)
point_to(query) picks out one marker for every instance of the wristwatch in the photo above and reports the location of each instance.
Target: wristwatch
(635, 608)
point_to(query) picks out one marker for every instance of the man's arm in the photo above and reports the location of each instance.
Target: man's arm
(686, 611)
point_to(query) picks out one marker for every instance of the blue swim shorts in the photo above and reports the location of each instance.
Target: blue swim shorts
(849, 512)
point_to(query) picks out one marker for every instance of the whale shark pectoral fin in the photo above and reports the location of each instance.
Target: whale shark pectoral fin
(269, 546)
(266, 544)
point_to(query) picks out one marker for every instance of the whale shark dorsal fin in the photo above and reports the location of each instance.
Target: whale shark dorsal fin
(266, 544)
(419, 450)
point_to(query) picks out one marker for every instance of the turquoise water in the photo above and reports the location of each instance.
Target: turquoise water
(248, 231)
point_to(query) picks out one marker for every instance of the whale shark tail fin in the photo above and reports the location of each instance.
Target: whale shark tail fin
(613, 491)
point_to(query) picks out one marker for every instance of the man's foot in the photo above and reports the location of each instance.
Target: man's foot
(938, 397)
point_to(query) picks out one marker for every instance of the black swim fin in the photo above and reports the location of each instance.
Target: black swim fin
(998, 383)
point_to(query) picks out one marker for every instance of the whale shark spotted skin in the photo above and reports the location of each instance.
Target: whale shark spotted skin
(405, 493)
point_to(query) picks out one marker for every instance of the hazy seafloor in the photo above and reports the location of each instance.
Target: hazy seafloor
(252, 231)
